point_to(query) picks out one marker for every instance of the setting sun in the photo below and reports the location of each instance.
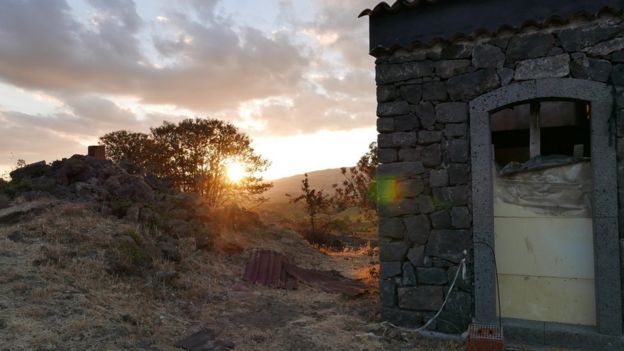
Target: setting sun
(236, 172)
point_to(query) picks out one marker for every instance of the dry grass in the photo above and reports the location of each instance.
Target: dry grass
(56, 295)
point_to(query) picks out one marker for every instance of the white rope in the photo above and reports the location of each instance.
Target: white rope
(421, 330)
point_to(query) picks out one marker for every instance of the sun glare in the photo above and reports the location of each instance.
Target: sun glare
(236, 172)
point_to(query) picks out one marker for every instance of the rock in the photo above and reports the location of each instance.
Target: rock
(425, 204)
(432, 155)
(387, 293)
(410, 188)
(129, 187)
(410, 154)
(434, 91)
(438, 178)
(440, 219)
(388, 73)
(398, 139)
(15, 213)
(386, 93)
(460, 217)
(457, 150)
(618, 56)
(392, 228)
(588, 68)
(458, 173)
(426, 137)
(455, 130)
(461, 283)
(427, 298)
(389, 269)
(385, 125)
(387, 155)
(456, 316)
(529, 46)
(406, 123)
(606, 48)
(617, 76)
(431, 276)
(505, 75)
(546, 67)
(451, 196)
(416, 255)
(448, 244)
(398, 208)
(487, 56)
(452, 112)
(456, 51)
(465, 87)
(392, 251)
(418, 228)
(32, 170)
(426, 114)
(576, 39)
(450, 68)
(405, 169)
(409, 275)
(389, 109)
(3, 324)
(412, 93)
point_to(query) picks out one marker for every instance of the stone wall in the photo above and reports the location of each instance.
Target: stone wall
(424, 143)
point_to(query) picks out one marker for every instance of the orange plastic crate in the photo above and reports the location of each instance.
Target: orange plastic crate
(485, 337)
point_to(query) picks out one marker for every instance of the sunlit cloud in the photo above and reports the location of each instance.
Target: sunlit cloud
(291, 74)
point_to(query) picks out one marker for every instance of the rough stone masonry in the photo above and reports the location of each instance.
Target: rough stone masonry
(424, 146)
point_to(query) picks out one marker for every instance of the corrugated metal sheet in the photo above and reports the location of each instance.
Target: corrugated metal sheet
(328, 281)
(269, 268)
(273, 269)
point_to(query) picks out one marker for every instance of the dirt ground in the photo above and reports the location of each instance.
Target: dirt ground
(56, 295)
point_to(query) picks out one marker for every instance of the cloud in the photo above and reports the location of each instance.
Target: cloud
(311, 73)
(212, 66)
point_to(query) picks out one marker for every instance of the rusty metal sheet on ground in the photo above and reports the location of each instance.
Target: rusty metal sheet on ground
(328, 281)
(269, 268)
(203, 340)
(273, 269)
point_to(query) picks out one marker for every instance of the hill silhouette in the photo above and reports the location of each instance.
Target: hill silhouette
(321, 180)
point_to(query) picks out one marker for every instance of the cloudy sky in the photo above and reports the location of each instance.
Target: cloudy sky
(293, 74)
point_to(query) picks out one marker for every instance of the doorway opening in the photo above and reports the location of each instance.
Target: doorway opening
(543, 234)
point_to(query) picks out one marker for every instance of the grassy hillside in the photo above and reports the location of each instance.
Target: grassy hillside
(322, 180)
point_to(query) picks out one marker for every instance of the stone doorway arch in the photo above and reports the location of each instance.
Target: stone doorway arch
(604, 192)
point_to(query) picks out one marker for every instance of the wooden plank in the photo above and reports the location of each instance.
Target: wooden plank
(547, 247)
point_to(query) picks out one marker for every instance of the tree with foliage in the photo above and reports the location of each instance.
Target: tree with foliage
(359, 187)
(315, 201)
(136, 148)
(193, 155)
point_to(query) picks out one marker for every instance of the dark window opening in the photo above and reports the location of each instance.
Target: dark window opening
(542, 128)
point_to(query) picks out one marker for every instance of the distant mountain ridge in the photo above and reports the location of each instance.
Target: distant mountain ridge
(320, 180)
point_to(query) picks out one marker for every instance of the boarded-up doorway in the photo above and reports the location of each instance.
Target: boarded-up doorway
(542, 212)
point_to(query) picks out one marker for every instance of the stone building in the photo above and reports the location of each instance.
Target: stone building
(501, 128)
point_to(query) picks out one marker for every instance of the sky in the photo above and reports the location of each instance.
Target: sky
(295, 75)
